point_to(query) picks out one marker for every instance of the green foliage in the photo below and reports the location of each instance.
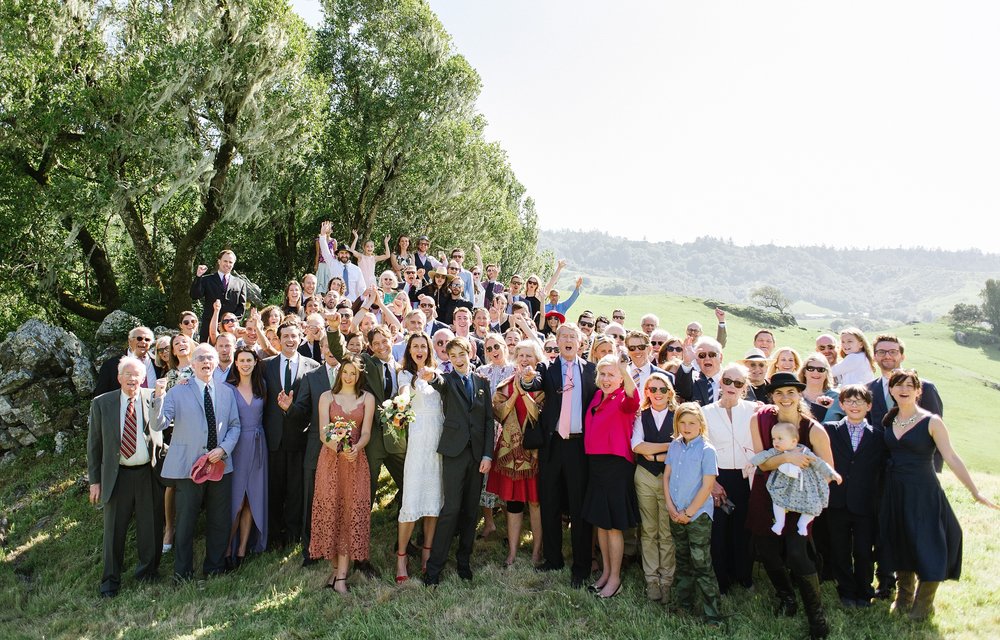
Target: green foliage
(991, 304)
(966, 315)
(770, 297)
(758, 317)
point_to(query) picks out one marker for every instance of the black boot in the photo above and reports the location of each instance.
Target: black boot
(813, 604)
(783, 590)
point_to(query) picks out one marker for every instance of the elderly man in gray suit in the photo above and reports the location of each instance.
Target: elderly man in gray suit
(120, 458)
(205, 421)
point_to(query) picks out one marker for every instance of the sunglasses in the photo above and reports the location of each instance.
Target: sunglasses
(827, 347)
(166, 348)
(757, 365)
(812, 369)
(615, 336)
(675, 349)
(424, 305)
(441, 343)
(188, 321)
(710, 354)
(657, 390)
(205, 357)
(551, 349)
(584, 323)
(739, 384)
(229, 321)
(142, 339)
(492, 348)
(617, 317)
(636, 347)
(656, 343)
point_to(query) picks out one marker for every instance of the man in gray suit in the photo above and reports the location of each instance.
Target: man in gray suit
(286, 441)
(120, 457)
(205, 421)
(306, 405)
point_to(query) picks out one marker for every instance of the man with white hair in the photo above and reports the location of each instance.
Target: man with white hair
(440, 341)
(120, 458)
(140, 339)
(700, 386)
(648, 323)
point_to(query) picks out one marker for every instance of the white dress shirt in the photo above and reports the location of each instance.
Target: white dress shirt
(659, 419)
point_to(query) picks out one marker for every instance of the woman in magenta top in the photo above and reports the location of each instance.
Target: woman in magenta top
(610, 503)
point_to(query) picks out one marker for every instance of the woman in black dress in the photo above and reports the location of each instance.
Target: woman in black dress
(918, 525)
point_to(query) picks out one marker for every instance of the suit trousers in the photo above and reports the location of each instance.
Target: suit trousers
(657, 543)
(284, 495)
(462, 484)
(852, 539)
(216, 498)
(562, 480)
(308, 493)
(132, 495)
(731, 555)
(379, 457)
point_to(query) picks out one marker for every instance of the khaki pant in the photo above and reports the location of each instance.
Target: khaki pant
(657, 543)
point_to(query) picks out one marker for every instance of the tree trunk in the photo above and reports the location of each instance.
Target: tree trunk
(108, 296)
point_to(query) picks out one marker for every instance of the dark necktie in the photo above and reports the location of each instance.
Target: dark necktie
(347, 282)
(711, 390)
(468, 387)
(225, 285)
(388, 380)
(129, 433)
(288, 375)
(213, 437)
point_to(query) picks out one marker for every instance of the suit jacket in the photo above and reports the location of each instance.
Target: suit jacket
(930, 400)
(550, 381)
(107, 376)
(465, 423)
(492, 290)
(208, 289)
(862, 469)
(185, 407)
(311, 350)
(306, 406)
(283, 432)
(692, 386)
(104, 438)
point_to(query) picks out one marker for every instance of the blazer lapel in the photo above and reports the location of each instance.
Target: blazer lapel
(456, 381)
(114, 427)
(844, 434)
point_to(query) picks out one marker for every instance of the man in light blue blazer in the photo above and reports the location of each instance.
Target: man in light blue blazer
(205, 421)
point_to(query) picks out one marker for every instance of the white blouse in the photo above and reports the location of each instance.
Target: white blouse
(731, 438)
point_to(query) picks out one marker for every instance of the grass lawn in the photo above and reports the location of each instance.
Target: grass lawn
(51, 563)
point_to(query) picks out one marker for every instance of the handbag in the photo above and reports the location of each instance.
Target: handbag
(534, 436)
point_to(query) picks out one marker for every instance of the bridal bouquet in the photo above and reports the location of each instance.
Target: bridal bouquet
(397, 414)
(339, 431)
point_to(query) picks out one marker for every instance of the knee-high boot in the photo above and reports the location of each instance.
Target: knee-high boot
(813, 604)
(923, 602)
(787, 604)
(905, 583)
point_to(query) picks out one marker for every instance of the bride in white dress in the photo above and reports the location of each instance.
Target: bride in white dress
(423, 495)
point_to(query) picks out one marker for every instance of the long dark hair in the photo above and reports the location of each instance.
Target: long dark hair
(338, 383)
(899, 377)
(408, 363)
(256, 376)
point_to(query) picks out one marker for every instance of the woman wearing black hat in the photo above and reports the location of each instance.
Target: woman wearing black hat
(788, 406)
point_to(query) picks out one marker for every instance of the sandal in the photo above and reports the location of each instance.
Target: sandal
(400, 578)
(333, 585)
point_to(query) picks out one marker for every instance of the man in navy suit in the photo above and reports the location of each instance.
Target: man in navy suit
(859, 456)
(205, 420)
(639, 351)
(562, 463)
(702, 385)
(223, 285)
(466, 447)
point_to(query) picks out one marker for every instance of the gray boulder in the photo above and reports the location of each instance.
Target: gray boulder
(115, 327)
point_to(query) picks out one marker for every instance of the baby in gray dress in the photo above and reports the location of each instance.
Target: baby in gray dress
(804, 491)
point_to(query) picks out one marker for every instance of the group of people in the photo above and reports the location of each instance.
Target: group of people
(472, 393)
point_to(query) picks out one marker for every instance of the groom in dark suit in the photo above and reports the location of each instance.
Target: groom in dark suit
(466, 447)
(120, 458)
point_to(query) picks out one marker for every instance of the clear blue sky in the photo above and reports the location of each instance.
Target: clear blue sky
(848, 123)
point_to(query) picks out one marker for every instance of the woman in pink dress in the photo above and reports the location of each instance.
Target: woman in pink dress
(341, 514)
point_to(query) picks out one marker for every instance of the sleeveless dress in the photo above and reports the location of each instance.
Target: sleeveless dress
(341, 513)
(423, 494)
(250, 470)
(918, 526)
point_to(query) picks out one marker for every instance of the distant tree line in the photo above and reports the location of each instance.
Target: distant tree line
(137, 139)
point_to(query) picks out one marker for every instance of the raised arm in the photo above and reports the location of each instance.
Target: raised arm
(387, 254)
(544, 291)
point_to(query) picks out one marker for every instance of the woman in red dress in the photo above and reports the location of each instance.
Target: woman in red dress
(515, 469)
(341, 514)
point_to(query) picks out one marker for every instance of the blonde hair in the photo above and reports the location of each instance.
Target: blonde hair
(773, 367)
(671, 397)
(692, 409)
(821, 360)
(786, 428)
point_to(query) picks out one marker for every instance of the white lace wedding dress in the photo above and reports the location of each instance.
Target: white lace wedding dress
(422, 492)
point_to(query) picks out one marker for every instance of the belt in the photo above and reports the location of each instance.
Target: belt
(574, 436)
(133, 467)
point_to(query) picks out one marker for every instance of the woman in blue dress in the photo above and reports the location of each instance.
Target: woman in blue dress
(249, 501)
(918, 525)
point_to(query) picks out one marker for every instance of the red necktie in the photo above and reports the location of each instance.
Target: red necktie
(129, 433)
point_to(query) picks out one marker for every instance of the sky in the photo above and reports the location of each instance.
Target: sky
(849, 124)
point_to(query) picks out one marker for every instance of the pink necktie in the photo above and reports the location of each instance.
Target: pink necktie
(566, 410)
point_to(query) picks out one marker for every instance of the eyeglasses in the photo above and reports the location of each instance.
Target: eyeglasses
(534, 282)
(476, 273)
(828, 347)
(709, 354)
(492, 348)
(142, 339)
(853, 402)
(517, 282)
(452, 268)
(811, 369)
(441, 343)
(657, 390)
(165, 348)
(617, 317)
(757, 365)
(656, 343)
(551, 349)
(636, 347)
(694, 332)
(675, 349)
(188, 321)
(739, 384)
(229, 321)
(886, 352)
(584, 323)
(615, 336)
(205, 357)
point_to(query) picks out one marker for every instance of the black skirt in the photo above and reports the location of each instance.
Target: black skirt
(610, 501)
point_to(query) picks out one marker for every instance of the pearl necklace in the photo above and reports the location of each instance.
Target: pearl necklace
(905, 423)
